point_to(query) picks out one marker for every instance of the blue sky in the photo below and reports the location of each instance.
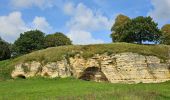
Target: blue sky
(84, 21)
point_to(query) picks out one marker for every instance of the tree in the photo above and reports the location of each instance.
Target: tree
(29, 41)
(120, 21)
(4, 50)
(57, 39)
(165, 34)
(139, 29)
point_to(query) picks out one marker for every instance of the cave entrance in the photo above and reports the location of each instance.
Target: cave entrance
(21, 77)
(94, 74)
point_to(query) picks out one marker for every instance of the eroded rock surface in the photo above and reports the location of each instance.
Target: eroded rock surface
(115, 68)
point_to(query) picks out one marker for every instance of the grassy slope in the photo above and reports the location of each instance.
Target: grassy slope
(72, 89)
(5, 69)
(38, 89)
(57, 53)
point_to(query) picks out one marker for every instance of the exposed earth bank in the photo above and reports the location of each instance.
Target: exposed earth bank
(125, 67)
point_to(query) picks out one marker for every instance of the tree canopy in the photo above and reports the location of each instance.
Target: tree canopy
(139, 29)
(165, 34)
(4, 50)
(57, 39)
(120, 21)
(29, 41)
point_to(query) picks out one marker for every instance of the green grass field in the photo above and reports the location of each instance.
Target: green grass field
(72, 89)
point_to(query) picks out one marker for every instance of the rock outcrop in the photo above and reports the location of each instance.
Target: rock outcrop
(115, 68)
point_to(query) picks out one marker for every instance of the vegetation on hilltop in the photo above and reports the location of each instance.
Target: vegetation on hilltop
(29, 41)
(165, 34)
(136, 30)
(120, 21)
(57, 53)
(57, 39)
(4, 50)
(36, 40)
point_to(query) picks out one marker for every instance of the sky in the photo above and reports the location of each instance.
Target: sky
(83, 21)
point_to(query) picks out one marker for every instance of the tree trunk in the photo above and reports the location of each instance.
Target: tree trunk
(140, 39)
(140, 42)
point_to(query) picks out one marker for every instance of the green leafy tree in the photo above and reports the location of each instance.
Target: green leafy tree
(165, 34)
(4, 50)
(57, 39)
(29, 41)
(140, 29)
(120, 21)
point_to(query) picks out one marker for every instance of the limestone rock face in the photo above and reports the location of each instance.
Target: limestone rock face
(51, 70)
(116, 68)
(27, 70)
(59, 69)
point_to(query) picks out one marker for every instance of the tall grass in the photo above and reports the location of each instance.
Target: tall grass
(72, 89)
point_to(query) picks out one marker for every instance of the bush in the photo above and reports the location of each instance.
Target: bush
(29, 41)
(57, 39)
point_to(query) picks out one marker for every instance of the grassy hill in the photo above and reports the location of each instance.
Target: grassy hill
(57, 53)
(72, 89)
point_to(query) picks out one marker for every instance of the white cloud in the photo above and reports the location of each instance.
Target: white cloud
(69, 8)
(41, 24)
(83, 22)
(101, 2)
(30, 3)
(86, 19)
(12, 25)
(160, 11)
(83, 37)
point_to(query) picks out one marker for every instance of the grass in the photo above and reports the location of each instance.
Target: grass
(6, 68)
(72, 89)
(58, 53)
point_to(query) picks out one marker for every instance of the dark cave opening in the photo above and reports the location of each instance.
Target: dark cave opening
(21, 77)
(93, 74)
